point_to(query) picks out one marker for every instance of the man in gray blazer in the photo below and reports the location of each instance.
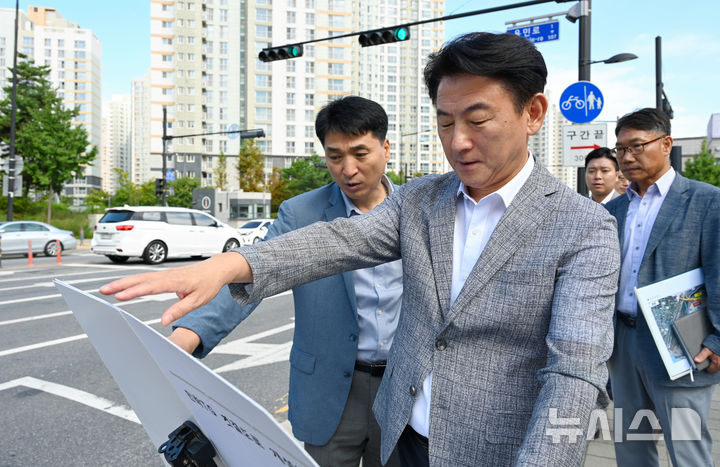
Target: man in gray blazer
(667, 225)
(509, 277)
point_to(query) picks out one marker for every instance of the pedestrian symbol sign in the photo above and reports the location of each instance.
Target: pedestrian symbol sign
(581, 102)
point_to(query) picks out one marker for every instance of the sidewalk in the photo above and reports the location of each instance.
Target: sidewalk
(600, 452)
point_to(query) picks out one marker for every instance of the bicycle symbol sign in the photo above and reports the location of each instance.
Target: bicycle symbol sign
(581, 102)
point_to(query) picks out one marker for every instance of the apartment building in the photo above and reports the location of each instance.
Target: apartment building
(205, 73)
(140, 127)
(116, 141)
(74, 55)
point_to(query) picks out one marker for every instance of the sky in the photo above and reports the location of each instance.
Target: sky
(690, 48)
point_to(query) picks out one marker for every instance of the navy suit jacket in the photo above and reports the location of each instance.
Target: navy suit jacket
(685, 236)
(325, 343)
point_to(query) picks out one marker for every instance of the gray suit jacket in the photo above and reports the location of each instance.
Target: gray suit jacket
(685, 236)
(530, 332)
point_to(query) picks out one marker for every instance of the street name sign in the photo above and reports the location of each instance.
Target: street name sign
(538, 32)
(581, 102)
(579, 140)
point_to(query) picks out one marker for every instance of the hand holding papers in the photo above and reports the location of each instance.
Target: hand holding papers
(166, 387)
(194, 285)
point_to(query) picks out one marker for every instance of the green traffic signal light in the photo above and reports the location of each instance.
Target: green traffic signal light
(401, 34)
(384, 36)
(280, 53)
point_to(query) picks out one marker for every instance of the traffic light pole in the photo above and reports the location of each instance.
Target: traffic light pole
(583, 72)
(13, 117)
(425, 21)
(255, 133)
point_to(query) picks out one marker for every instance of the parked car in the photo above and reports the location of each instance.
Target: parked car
(254, 231)
(15, 235)
(157, 233)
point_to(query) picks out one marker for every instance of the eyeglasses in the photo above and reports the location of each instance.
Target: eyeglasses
(634, 149)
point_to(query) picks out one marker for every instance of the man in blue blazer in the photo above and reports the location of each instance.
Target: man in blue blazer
(667, 225)
(344, 324)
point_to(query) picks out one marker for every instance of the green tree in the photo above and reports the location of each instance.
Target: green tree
(303, 175)
(396, 178)
(221, 176)
(53, 150)
(703, 167)
(182, 191)
(132, 194)
(97, 200)
(250, 166)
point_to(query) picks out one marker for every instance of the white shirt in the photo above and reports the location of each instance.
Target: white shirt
(474, 224)
(641, 215)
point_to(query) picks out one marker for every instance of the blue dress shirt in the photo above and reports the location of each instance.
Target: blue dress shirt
(641, 215)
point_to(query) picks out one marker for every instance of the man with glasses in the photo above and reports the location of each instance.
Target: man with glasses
(667, 225)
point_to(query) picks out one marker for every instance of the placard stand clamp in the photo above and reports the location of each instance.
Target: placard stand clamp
(187, 446)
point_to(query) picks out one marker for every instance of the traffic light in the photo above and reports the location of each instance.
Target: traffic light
(159, 186)
(384, 36)
(280, 53)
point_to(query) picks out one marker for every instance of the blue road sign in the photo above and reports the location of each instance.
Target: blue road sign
(581, 102)
(538, 32)
(233, 127)
(169, 175)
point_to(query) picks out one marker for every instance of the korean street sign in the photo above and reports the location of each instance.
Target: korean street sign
(579, 140)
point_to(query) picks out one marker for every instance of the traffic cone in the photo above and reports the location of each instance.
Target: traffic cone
(30, 259)
(58, 245)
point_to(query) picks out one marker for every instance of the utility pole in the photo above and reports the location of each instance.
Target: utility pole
(164, 157)
(13, 117)
(583, 72)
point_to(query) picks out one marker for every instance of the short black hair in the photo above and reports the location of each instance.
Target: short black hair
(509, 58)
(647, 119)
(600, 153)
(352, 115)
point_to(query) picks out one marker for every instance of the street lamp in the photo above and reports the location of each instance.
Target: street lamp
(623, 57)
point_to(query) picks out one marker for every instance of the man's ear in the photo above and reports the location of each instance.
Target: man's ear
(536, 109)
(667, 144)
(386, 148)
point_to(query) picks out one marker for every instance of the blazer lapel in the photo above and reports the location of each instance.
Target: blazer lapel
(335, 209)
(674, 202)
(441, 230)
(519, 223)
(620, 216)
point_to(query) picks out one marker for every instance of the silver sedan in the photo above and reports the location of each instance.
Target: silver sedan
(18, 236)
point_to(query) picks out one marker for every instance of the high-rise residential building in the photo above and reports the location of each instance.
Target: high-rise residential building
(74, 55)
(26, 41)
(116, 141)
(140, 124)
(205, 72)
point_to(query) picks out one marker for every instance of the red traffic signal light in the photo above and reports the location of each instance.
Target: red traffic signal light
(280, 53)
(384, 36)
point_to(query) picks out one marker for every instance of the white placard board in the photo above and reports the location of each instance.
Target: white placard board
(579, 139)
(661, 304)
(166, 386)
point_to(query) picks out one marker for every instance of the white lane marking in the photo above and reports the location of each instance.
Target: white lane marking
(41, 297)
(258, 353)
(51, 284)
(75, 395)
(7, 273)
(110, 266)
(159, 297)
(59, 275)
(150, 298)
(63, 340)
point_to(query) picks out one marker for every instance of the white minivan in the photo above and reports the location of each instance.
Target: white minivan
(157, 233)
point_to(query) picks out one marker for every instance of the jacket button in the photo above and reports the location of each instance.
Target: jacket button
(441, 344)
(346, 374)
(353, 337)
(413, 390)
